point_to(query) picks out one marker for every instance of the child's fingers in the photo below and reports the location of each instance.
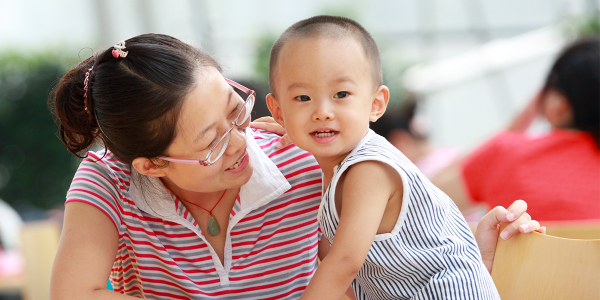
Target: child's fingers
(531, 226)
(514, 227)
(542, 230)
(515, 210)
(499, 215)
(265, 124)
(283, 142)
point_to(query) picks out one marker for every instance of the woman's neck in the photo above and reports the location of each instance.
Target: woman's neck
(203, 199)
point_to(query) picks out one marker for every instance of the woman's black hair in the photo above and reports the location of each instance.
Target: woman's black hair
(575, 75)
(132, 102)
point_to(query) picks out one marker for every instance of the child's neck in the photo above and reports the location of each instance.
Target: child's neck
(327, 164)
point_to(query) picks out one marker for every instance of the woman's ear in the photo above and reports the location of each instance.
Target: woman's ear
(380, 102)
(145, 166)
(275, 109)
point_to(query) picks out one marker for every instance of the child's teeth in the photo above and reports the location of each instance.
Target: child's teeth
(324, 134)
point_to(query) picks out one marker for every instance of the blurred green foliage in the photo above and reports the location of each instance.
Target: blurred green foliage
(590, 26)
(582, 25)
(35, 167)
(263, 53)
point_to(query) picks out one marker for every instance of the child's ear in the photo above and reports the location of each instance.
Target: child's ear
(275, 109)
(380, 102)
(145, 167)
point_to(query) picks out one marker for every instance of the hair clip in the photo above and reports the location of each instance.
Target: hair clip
(118, 50)
(87, 79)
(85, 86)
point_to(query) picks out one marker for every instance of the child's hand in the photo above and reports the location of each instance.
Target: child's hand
(269, 124)
(488, 228)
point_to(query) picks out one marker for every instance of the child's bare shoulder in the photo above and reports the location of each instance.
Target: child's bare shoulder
(372, 174)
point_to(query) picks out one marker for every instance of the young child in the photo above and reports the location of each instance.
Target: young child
(393, 234)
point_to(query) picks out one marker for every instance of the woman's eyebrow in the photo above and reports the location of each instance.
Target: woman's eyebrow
(202, 133)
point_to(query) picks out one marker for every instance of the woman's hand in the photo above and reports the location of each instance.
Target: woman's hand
(488, 228)
(269, 124)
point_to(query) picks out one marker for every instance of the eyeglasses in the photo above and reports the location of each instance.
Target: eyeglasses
(219, 148)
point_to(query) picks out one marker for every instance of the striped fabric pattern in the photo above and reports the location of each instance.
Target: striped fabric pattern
(430, 254)
(273, 249)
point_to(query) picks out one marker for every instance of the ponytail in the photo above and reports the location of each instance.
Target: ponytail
(77, 128)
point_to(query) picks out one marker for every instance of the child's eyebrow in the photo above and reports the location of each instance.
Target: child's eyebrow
(344, 79)
(336, 81)
(297, 85)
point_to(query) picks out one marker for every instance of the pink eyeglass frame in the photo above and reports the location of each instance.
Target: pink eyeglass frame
(250, 93)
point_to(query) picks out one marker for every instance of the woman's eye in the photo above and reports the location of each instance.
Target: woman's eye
(212, 143)
(341, 95)
(303, 98)
(236, 109)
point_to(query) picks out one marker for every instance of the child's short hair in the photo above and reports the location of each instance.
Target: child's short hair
(328, 26)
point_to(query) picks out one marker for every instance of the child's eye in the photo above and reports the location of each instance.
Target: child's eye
(341, 95)
(303, 98)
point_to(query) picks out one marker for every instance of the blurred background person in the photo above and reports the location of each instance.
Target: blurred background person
(558, 172)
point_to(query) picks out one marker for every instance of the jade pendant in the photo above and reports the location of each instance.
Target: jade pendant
(213, 226)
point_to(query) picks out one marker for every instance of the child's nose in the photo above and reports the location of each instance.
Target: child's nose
(324, 111)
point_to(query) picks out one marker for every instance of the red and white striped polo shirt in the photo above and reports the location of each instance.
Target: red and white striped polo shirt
(272, 237)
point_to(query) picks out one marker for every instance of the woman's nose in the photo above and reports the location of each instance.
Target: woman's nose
(237, 140)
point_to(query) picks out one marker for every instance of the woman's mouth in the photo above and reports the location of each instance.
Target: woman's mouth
(239, 162)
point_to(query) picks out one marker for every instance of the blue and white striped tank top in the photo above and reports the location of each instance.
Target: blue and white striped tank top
(431, 252)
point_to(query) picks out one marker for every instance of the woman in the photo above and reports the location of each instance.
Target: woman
(557, 172)
(185, 202)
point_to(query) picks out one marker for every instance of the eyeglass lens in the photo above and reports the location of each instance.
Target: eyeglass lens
(242, 118)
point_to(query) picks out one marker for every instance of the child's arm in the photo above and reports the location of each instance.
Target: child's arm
(366, 189)
(323, 250)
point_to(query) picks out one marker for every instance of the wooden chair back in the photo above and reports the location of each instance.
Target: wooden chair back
(582, 230)
(537, 266)
(39, 241)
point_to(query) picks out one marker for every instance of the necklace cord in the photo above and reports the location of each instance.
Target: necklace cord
(194, 204)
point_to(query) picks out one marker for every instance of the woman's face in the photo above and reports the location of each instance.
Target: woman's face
(207, 113)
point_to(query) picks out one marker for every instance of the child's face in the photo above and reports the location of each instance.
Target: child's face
(325, 95)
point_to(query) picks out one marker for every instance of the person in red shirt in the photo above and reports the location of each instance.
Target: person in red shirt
(558, 173)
